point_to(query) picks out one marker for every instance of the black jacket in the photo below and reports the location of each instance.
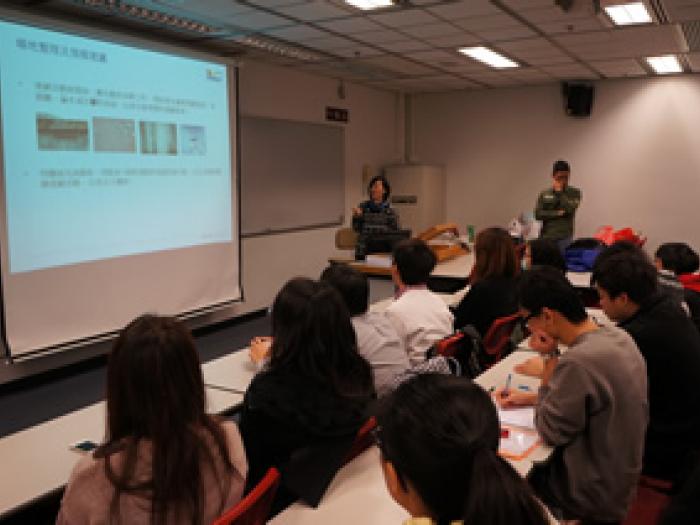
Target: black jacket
(486, 301)
(670, 344)
(304, 430)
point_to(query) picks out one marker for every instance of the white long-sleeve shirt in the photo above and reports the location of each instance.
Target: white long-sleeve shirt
(421, 318)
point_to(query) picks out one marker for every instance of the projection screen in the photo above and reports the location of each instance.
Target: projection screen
(119, 184)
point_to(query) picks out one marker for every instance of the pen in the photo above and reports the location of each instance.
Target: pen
(507, 387)
(524, 388)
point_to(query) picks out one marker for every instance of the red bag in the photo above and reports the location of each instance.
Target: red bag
(607, 235)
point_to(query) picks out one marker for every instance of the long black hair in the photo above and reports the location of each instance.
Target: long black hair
(155, 392)
(441, 434)
(313, 337)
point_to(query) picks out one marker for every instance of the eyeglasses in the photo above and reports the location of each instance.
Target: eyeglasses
(525, 320)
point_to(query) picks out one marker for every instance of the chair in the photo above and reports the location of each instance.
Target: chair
(497, 338)
(651, 500)
(345, 239)
(254, 508)
(363, 439)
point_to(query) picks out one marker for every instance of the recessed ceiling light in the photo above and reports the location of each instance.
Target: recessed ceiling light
(488, 57)
(665, 65)
(370, 4)
(630, 13)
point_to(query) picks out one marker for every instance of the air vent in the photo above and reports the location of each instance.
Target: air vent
(691, 32)
(659, 10)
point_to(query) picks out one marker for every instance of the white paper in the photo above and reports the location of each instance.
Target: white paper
(520, 417)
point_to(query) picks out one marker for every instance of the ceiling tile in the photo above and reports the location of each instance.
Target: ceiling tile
(314, 11)
(434, 55)
(329, 43)
(682, 10)
(299, 33)
(464, 8)
(575, 26)
(403, 18)
(404, 45)
(619, 68)
(212, 8)
(399, 65)
(504, 33)
(694, 61)
(269, 3)
(380, 37)
(257, 20)
(431, 30)
(625, 43)
(570, 71)
(482, 23)
(454, 41)
(357, 51)
(355, 24)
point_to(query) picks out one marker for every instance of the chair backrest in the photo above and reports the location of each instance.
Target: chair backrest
(345, 239)
(497, 338)
(255, 507)
(449, 346)
(652, 498)
(363, 439)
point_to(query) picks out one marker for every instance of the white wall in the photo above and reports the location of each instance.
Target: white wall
(636, 159)
(370, 139)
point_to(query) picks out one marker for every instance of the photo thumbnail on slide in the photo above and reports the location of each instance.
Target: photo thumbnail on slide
(111, 150)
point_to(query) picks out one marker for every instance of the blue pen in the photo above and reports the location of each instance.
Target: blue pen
(505, 390)
(524, 387)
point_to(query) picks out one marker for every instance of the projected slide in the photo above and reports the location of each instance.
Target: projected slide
(109, 150)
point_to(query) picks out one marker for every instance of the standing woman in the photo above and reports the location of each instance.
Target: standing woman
(492, 293)
(374, 215)
(302, 411)
(164, 461)
(438, 436)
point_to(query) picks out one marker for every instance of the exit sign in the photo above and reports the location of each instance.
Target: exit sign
(336, 114)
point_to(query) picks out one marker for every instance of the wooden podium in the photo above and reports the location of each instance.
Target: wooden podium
(444, 251)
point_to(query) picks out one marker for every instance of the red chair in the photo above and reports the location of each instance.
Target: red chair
(448, 346)
(363, 439)
(255, 507)
(651, 500)
(497, 338)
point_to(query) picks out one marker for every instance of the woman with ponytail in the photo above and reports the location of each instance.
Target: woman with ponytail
(438, 437)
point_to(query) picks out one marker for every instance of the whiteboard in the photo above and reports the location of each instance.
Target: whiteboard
(292, 175)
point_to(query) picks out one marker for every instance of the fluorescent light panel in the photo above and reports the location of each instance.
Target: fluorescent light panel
(370, 4)
(488, 57)
(665, 65)
(627, 14)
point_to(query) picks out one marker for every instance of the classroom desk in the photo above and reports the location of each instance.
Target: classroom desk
(232, 372)
(448, 276)
(358, 494)
(38, 461)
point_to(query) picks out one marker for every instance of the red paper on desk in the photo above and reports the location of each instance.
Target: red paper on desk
(516, 442)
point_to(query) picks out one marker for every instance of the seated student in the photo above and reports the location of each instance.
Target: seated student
(679, 263)
(627, 285)
(377, 340)
(438, 436)
(302, 411)
(492, 291)
(591, 405)
(164, 459)
(419, 316)
(543, 252)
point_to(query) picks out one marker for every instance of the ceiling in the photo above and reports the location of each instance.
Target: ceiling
(413, 47)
